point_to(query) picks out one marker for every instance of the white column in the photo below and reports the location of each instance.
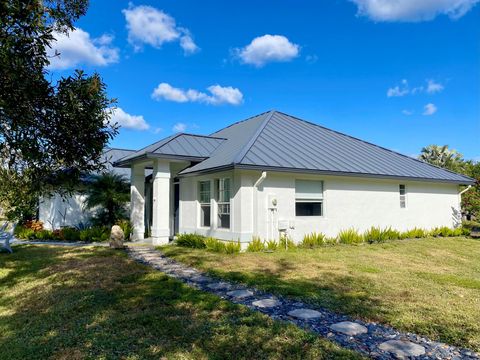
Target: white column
(161, 202)
(137, 201)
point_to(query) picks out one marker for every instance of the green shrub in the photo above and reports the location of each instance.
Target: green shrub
(44, 235)
(330, 241)
(126, 227)
(95, 234)
(24, 233)
(457, 231)
(214, 245)
(443, 231)
(466, 231)
(313, 240)
(470, 224)
(191, 240)
(391, 234)
(256, 245)
(232, 247)
(350, 236)
(271, 245)
(286, 243)
(415, 233)
(376, 235)
(71, 234)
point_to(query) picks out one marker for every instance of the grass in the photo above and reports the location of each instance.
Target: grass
(86, 303)
(429, 286)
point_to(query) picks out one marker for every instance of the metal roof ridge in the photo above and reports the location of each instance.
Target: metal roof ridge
(238, 159)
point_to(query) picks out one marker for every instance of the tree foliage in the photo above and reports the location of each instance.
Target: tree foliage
(50, 131)
(109, 192)
(452, 160)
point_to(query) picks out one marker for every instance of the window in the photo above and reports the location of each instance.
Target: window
(223, 201)
(403, 196)
(204, 196)
(308, 198)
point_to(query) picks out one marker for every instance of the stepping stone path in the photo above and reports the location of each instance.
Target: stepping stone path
(305, 314)
(370, 339)
(349, 328)
(266, 303)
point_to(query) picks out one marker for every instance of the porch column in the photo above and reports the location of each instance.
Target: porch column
(137, 201)
(161, 202)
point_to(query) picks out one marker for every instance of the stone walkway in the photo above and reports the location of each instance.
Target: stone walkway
(370, 339)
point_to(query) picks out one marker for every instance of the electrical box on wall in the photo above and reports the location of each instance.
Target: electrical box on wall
(283, 225)
(272, 201)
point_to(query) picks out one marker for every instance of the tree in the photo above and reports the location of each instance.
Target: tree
(441, 156)
(50, 132)
(109, 192)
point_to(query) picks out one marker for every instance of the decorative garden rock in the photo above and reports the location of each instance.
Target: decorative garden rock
(378, 342)
(116, 237)
(349, 328)
(402, 348)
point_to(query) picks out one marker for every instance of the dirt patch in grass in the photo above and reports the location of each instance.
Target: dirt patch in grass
(428, 286)
(83, 303)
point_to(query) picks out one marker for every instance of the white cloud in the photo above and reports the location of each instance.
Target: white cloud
(268, 48)
(399, 90)
(148, 25)
(78, 48)
(311, 59)
(429, 109)
(413, 10)
(179, 127)
(218, 95)
(434, 87)
(403, 89)
(136, 122)
(407, 112)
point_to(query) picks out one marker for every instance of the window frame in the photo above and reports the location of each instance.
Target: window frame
(223, 202)
(402, 197)
(302, 198)
(203, 203)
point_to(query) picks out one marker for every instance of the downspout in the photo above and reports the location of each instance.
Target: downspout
(464, 191)
(255, 210)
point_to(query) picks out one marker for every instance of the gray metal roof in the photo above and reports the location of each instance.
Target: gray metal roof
(185, 146)
(111, 155)
(277, 141)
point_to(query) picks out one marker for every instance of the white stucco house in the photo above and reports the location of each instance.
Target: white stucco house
(275, 174)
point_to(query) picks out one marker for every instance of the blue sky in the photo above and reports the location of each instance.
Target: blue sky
(399, 74)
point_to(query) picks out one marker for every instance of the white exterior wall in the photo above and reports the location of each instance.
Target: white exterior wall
(349, 202)
(56, 211)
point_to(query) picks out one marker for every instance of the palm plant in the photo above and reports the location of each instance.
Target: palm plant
(109, 193)
(441, 156)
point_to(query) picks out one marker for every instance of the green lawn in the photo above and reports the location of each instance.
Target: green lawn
(428, 286)
(76, 303)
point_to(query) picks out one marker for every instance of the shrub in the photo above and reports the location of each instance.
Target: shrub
(391, 234)
(470, 224)
(191, 240)
(126, 227)
(350, 236)
(330, 241)
(71, 234)
(95, 234)
(271, 245)
(35, 225)
(313, 240)
(457, 232)
(443, 231)
(415, 233)
(286, 243)
(214, 245)
(466, 231)
(376, 235)
(21, 232)
(256, 245)
(44, 235)
(232, 247)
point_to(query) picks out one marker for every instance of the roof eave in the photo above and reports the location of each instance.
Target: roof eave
(467, 181)
(149, 156)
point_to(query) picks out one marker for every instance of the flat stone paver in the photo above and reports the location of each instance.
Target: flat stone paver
(219, 286)
(370, 339)
(402, 348)
(349, 328)
(240, 294)
(305, 314)
(266, 303)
